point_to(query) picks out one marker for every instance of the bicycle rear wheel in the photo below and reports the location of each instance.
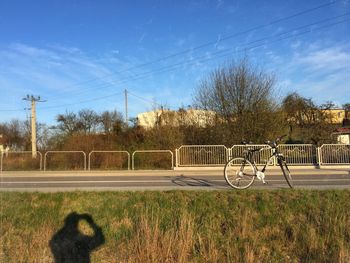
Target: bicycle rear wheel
(239, 173)
(286, 173)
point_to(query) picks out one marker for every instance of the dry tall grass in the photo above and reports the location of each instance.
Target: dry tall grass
(251, 226)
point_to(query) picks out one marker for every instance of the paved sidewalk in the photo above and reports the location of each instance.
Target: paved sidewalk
(202, 171)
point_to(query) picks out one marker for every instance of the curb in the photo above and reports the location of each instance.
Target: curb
(294, 167)
(217, 171)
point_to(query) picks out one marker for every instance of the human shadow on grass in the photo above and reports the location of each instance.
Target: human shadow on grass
(191, 181)
(69, 244)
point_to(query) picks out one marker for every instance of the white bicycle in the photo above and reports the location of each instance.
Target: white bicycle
(241, 172)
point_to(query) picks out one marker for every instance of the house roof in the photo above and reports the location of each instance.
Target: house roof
(343, 130)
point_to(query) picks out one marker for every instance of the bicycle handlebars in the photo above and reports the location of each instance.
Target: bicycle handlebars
(273, 144)
(281, 137)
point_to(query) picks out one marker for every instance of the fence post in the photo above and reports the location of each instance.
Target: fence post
(45, 156)
(132, 161)
(41, 161)
(319, 155)
(128, 160)
(84, 161)
(89, 161)
(172, 161)
(1, 157)
(274, 157)
(176, 158)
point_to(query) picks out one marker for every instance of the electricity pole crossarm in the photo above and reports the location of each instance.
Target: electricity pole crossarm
(33, 100)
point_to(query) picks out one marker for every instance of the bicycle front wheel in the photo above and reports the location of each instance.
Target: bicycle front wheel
(239, 173)
(286, 173)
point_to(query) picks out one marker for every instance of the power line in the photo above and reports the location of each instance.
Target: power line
(12, 110)
(211, 42)
(228, 52)
(224, 51)
(127, 79)
(217, 54)
(81, 102)
(145, 100)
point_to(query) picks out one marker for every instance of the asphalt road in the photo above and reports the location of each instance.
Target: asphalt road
(201, 179)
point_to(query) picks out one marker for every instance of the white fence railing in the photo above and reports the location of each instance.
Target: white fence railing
(109, 152)
(211, 155)
(299, 154)
(334, 154)
(154, 152)
(260, 157)
(64, 152)
(295, 154)
(6, 155)
(201, 155)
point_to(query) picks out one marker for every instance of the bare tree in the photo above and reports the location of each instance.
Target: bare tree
(88, 120)
(242, 96)
(68, 122)
(16, 134)
(111, 121)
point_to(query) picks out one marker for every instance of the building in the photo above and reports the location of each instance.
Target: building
(200, 118)
(336, 116)
(4, 147)
(203, 118)
(1, 143)
(342, 133)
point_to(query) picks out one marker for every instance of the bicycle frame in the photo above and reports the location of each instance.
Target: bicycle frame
(235, 175)
(250, 157)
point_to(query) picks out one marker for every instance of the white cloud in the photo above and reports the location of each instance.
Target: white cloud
(62, 75)
(319, 71)
(325, 59)
(68, 75)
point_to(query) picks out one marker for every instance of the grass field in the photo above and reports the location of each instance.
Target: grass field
(178, 226)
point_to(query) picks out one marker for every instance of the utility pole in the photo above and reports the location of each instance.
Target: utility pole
(126, 107)
(33, 100)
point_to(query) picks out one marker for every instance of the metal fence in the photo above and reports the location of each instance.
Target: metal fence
(295, 154)
(120, 161)
(299, 154)
(186, 156)
(15, 162)
(152, 152)
(201, 155)
(260, 157)
(65, 152)
(334, 154)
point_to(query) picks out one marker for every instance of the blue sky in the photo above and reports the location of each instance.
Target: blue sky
(83, 54)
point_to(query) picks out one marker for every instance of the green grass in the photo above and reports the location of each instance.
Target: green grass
(184, 226)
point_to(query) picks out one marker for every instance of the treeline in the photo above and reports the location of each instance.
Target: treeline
(241, 96)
